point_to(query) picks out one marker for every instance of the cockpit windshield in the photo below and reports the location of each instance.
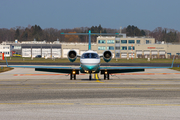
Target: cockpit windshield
(90, 55)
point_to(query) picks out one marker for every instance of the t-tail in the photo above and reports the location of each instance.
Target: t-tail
(89, 45)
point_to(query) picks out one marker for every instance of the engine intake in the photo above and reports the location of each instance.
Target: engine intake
(72, 55)
(107, 56)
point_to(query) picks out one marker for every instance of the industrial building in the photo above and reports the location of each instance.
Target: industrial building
(121, 46)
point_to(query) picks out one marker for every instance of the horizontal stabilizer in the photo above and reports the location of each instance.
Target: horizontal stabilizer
(90, 33)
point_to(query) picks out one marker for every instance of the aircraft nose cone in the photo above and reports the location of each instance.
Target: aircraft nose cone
(91, 67)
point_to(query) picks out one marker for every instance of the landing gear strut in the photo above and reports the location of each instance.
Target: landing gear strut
(106, 75)
(90, 76)
(73, 75)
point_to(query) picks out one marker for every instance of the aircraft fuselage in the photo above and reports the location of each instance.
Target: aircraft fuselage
(90, 62)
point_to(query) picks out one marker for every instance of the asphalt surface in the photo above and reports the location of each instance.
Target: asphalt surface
(28, 94)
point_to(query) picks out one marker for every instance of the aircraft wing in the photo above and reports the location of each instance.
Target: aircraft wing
(111, 70)
(51, 68)
(129, 69)
(57, 69)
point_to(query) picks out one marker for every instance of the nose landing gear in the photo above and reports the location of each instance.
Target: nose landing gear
(89, 75)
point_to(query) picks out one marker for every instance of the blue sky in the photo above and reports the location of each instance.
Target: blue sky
(62, 14)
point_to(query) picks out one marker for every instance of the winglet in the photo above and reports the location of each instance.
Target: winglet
(6, 61)
(172, 62)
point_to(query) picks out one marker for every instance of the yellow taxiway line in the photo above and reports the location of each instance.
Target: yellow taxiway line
(97, 78)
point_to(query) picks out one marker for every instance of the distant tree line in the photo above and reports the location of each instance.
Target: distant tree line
(134, 31)
(35, 32)
(165, 34)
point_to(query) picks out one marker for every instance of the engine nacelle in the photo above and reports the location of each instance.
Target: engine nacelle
(107, 56)
(72, 55)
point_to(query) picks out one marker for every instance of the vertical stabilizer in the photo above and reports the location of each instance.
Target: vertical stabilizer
(89, 46)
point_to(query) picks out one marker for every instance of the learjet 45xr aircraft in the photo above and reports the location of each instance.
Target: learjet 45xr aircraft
(89, 62)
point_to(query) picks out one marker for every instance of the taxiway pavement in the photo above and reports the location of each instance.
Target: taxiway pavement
(29, 94)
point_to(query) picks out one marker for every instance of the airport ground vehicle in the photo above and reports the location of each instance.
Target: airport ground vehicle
(38, 56)
(16, 55)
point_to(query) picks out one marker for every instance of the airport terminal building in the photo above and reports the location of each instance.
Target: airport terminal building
(121, 46)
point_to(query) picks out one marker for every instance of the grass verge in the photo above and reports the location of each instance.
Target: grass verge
(176, 68)
(4, 69)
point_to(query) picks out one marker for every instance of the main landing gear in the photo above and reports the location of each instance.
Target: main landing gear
(73, 75)
(106, 75)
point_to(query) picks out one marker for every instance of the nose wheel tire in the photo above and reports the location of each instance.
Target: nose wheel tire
(89, 76)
